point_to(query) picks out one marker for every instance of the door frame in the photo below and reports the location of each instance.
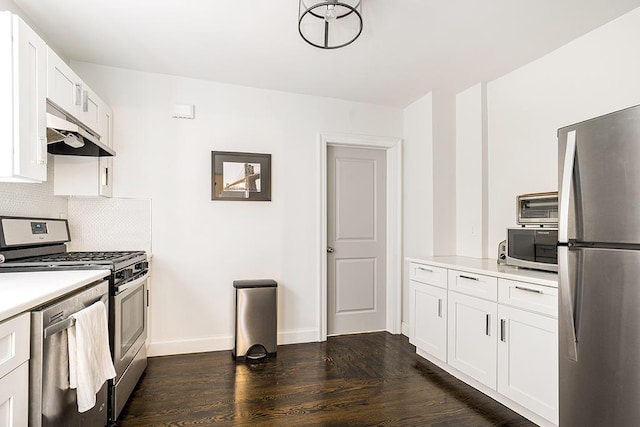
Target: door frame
(393, 148)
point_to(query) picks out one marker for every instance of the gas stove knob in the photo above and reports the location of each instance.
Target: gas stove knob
(1, 258)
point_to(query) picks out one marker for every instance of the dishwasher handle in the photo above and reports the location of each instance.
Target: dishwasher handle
(68, 322)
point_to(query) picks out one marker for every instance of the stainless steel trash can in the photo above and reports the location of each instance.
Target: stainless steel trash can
(256, 319)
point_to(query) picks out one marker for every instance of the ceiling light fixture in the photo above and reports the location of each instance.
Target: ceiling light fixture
(330, 24)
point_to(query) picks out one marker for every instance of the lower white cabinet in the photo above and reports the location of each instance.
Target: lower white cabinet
(14, 370)
(14, 397)
(527, 360)
(499, 332)
(428, 319)
(472, 337)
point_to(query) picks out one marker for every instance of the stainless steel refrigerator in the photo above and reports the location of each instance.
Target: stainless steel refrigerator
(599, 271)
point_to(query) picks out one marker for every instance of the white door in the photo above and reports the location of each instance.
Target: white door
(472, 337)
(356, 236)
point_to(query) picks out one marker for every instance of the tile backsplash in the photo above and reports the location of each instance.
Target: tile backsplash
(35, 200)
(109, 224)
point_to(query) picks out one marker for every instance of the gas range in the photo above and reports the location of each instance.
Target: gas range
(34, 244)
(39, 244)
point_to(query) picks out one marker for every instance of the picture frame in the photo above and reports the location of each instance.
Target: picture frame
(240, 176)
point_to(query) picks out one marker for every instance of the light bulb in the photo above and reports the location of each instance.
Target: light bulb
(330, 15)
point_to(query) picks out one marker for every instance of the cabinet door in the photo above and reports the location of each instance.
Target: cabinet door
(64, 87)
(472, 344)
(90, 111)
(31, 76)
(23, 122)
(428, 319)
(14, 397)
(528, 360)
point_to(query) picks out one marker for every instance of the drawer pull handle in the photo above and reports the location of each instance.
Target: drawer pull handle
(502, 330)
(439, 307)
(488, 320)
(425, 269)
(535, 291)
(469, 278)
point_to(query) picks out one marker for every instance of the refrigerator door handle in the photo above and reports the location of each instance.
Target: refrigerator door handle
(565, 187)
(567, 302)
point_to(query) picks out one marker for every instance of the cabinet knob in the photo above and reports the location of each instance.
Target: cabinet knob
(330, 250)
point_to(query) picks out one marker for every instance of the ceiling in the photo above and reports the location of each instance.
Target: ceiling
(407, 48)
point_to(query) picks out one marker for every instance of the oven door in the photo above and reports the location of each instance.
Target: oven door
(130, 319)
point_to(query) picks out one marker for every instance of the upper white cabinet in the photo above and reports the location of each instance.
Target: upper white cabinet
(78, 175)
(67, 91)
(23, 82)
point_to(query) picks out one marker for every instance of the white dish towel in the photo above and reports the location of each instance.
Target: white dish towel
(90, 362)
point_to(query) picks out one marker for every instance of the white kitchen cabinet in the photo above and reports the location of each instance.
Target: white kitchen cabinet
(501, 329)
(23, 81)
(472, 337)
(14, 370)
(80, 175)
(14, 397)
(83, 176)
(428, 319)
(64, 87)
(527, 360)
(67, 92)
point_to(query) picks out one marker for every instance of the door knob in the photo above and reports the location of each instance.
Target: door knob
(329, 250)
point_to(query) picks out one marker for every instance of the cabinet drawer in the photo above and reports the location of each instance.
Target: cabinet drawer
(536, 298)
(14, 343)
(476, 285)
(435, 276)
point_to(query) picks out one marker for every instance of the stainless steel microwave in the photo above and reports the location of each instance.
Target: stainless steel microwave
(535, 248)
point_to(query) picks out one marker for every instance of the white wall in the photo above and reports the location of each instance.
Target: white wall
(471, 189)
(444, 173)
(417, 188)
(593, 75)
(200, 246)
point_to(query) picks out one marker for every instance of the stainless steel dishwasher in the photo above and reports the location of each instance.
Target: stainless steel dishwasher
(51, 401)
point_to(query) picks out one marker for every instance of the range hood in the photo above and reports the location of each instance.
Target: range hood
(70, 139)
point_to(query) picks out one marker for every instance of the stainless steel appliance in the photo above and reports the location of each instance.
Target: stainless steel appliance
(51, 401)
(30, 244)
(599, 267)
(532, 248)
(537, 208)
(502, 252)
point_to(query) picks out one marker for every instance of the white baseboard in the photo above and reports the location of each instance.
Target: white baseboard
(298, 336)
(189, 345)
(537, 419)
(200, 345)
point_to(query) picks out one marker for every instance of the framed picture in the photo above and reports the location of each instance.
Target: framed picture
(240, 176)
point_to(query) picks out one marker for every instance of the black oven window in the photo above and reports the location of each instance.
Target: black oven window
(132, 319)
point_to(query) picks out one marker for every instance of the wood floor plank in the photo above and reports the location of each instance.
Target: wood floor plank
(371, 379)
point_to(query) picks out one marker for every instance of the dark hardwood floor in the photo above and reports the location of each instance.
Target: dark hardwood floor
(356, 380)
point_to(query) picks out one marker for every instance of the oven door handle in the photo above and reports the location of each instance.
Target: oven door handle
(133, 284)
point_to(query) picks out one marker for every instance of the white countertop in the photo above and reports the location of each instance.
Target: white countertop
(21, 292)
(491, 267)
